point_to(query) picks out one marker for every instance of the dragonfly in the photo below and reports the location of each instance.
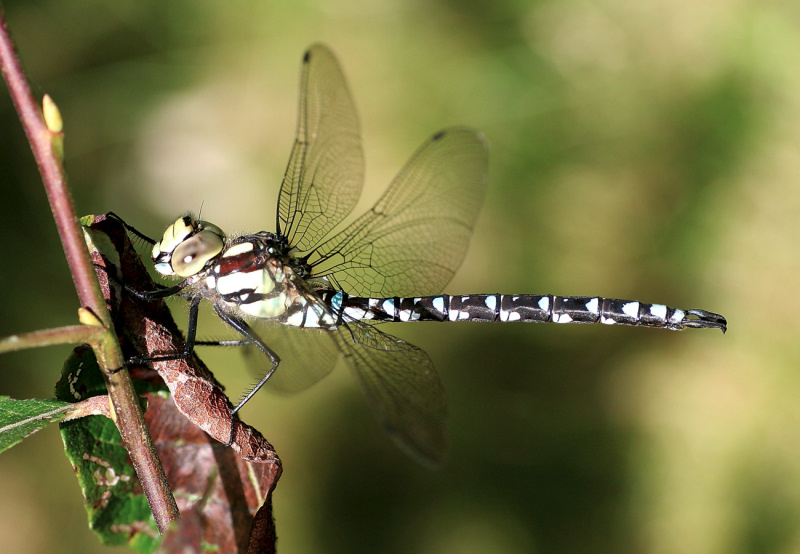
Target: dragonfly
(308, 294)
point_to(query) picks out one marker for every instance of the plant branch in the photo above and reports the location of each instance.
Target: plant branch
(71, 334)
(46, 146)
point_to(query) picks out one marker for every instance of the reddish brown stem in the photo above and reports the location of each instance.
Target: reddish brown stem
(129, 417)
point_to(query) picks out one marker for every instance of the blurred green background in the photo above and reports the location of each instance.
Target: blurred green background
(639, 150)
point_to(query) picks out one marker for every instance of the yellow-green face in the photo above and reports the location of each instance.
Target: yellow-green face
(186, 247)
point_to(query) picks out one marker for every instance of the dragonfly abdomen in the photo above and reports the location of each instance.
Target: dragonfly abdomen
(522, 308)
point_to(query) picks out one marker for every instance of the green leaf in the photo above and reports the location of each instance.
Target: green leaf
(118, 511)
(80, 376)
(21, 418)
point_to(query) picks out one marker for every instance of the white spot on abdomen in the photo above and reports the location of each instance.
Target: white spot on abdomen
(562, 318)
(659, 311)
(631, 309)
(355, 312)
(678, 316)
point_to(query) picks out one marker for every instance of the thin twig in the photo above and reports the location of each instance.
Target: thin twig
(129, 418)
(71, 334)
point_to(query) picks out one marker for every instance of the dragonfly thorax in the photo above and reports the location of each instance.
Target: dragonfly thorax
(253, 276)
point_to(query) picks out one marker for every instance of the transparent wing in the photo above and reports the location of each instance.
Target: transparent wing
(398, 379)
(326, 167)
(307, 355)
(415, 237)
(402, 388)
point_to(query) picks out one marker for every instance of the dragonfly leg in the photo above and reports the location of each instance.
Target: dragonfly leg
(133, 230)
(250, 338)
(243, 342)
(155, 294)
(188, 348)
(163, 292)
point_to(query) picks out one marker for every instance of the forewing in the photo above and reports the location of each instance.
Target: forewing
(326, 167)
(415, 237)
(402, 388)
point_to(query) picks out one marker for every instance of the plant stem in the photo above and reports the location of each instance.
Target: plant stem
(71, 334)
(129, 417)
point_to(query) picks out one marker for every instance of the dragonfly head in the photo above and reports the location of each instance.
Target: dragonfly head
(187, 246)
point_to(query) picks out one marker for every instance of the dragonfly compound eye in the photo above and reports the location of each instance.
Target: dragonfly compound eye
(190, 256)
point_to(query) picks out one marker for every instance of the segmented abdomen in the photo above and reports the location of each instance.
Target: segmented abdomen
(519, 307)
